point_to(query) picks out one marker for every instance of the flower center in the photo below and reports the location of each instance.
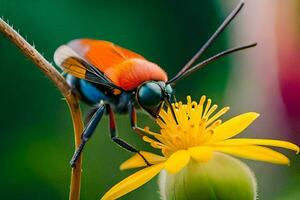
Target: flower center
(196, 124)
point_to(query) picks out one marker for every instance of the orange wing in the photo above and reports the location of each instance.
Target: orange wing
(102, 54)
(125, 69)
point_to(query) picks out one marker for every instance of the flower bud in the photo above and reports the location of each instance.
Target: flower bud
(222, 177)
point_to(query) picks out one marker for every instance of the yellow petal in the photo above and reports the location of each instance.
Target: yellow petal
(233, 127)
(132, 182)
(137, 161)
(265, 142)
(201, 153)
(255, 153)
(177, 161)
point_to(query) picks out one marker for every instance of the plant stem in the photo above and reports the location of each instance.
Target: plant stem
(76, 172)
(59, 81)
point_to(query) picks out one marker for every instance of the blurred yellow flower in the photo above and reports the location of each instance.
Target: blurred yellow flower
(197, 135)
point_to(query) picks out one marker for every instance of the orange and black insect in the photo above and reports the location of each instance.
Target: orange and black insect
(116, 80)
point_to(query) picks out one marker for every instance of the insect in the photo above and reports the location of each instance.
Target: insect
(116, 80)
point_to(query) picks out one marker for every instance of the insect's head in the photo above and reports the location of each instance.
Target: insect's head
(152, 95)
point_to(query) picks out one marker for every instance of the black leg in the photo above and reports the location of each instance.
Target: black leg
(88, 132)
(116, 139)
(133, 120)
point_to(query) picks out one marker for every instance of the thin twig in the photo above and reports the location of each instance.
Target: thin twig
(62, 86)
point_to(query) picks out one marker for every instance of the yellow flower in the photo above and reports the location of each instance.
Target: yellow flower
(197, 136)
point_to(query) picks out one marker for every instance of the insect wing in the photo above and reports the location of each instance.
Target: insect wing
(102, 54)
(74, 64)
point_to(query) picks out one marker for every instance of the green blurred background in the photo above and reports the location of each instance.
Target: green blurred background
(36, 131)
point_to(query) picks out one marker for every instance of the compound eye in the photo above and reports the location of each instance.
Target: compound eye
(150, 95)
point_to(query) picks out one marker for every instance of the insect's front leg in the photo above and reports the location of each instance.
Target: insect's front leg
(133, 120)
(88, 132)
(115, 138)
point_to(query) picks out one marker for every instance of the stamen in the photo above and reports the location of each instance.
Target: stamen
(160, 122)
(194, 104)
(156, 135)
(200, 105)
(163, 114)
(215, 124)
(211, 110)
(147, 139)
(153, 143)
(157, 145)
(207, 107)
(194, 114)
(189, 104)
(202, 100)
(218, 115)
(189, 99)
(171, 107)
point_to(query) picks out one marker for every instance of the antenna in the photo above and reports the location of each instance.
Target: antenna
(211, 59)
(221, 28)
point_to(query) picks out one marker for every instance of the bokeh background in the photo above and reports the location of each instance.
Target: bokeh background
(36, 132)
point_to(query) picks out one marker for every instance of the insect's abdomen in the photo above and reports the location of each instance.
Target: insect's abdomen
(133, 72)
(92, 94)
(89, 93)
